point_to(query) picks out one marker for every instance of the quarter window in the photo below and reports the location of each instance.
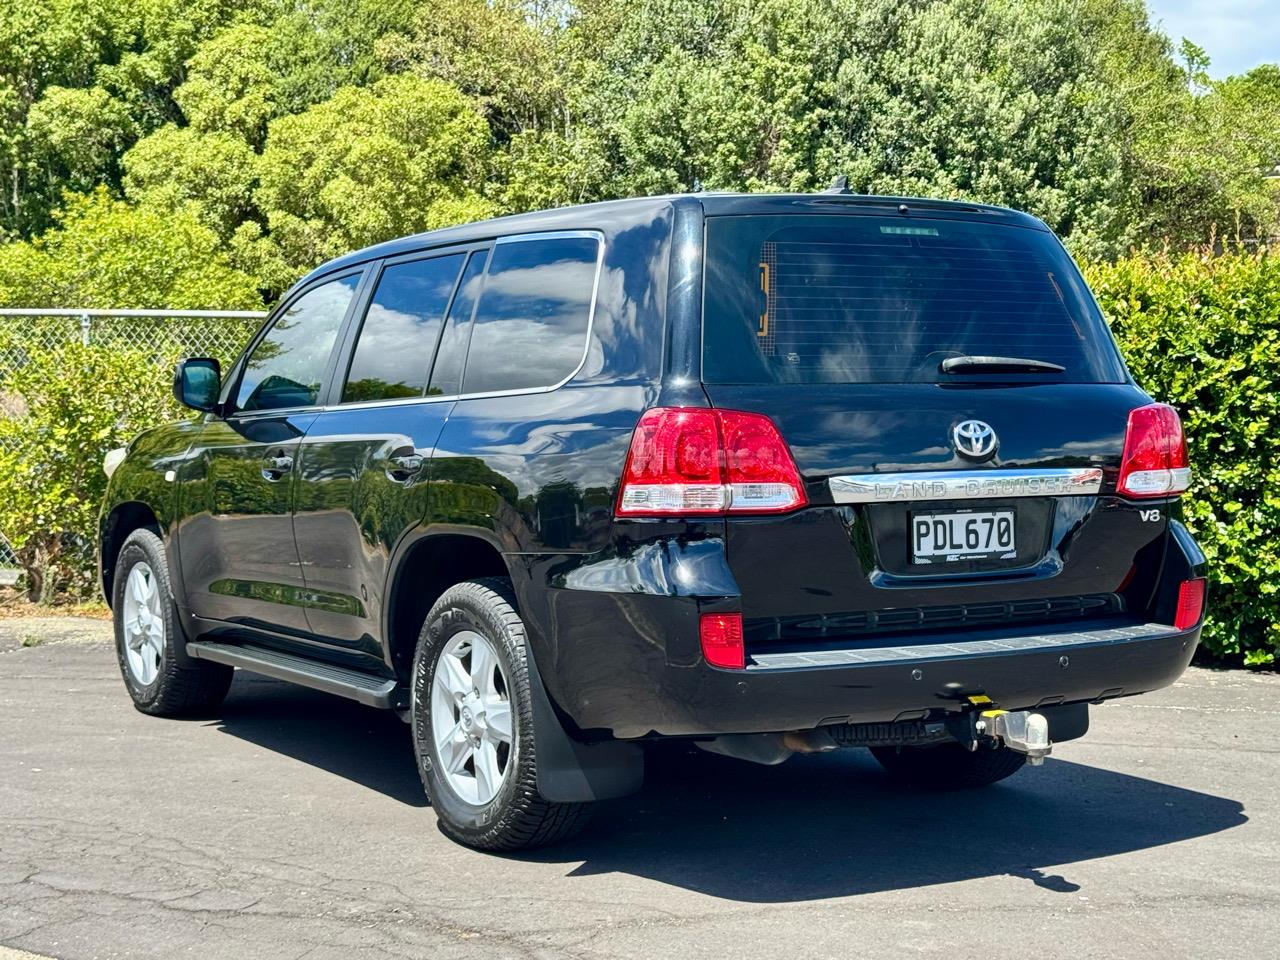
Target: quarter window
(393, 354)
(530, 327)
(287, 366)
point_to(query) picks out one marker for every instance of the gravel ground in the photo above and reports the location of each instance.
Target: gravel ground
(292, 824)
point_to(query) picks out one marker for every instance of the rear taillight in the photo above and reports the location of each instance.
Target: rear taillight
(1190, 604)
(721, 636)
(697, 461)
(1154, 463)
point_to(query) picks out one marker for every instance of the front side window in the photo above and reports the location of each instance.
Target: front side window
(530, 328)
(287, 366)
(393, 354)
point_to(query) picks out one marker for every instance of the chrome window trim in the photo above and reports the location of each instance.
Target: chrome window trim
(926, 485)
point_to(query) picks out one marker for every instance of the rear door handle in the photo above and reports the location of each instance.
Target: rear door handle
(403, 466)
(276, 465)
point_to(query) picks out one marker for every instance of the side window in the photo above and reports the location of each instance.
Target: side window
(446, 375)
(288, 364)
(398, 339)
(530, 326)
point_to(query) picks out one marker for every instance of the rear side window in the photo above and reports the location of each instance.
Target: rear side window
(854, 299)
(393, 354)
(531, 324)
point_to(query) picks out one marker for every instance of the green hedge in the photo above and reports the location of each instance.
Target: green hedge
(1202, 332)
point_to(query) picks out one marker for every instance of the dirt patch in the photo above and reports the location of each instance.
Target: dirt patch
(13, 605)
(18, 633)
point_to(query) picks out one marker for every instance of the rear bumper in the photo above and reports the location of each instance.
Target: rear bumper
(784, 691)
(626, 664)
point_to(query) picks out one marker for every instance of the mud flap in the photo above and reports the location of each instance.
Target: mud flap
(573, 772)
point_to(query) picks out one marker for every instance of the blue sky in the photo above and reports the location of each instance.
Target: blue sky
(1237, 34)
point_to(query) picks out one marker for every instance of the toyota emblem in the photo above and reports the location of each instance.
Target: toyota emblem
(974, 439)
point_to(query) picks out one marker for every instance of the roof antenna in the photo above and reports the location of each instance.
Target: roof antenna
(839, 185)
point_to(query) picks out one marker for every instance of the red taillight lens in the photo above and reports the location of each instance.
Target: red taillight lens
(1154, 463)
(721, 635)
(699, 461)
(673, 465)
(1190, 604)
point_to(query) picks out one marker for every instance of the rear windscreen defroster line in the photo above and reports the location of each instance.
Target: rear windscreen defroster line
(857, 299)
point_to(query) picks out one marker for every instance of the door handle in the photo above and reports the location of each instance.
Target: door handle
(275, 466)
(403, 466)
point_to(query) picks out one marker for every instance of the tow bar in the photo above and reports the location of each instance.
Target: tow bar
(1021, 731)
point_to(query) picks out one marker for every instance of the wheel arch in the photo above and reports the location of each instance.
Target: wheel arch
(428, 566)
(117, 524)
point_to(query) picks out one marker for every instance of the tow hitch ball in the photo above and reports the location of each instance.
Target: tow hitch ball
(1021, 731)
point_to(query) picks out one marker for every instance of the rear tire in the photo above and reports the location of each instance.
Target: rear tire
(148, 630)
(473, 727)
(949, 766)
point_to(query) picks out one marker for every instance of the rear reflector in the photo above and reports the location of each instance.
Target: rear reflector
(1190, 604)
(1154, 463)
(698, 461)
(721, 635)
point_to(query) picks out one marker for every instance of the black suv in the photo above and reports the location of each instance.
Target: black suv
(768, 473)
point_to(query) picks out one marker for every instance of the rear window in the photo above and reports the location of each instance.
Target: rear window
(853, 299)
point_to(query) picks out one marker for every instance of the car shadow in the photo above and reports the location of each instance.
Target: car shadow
(812, 828)
(835, 825)
(362, 744)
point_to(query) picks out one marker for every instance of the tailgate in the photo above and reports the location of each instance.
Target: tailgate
(957, 411)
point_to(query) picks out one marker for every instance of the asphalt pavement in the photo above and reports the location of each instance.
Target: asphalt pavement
(291, 824)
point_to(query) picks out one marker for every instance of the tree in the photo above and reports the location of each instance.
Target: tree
(80, 81)
(1206, 173)
(405, 155)
(210, 175)
(105, 253)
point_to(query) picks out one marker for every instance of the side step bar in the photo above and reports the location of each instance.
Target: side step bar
(353, 684)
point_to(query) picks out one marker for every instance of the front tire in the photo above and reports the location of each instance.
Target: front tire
(147, 632)
(949, 766)
(472, 716)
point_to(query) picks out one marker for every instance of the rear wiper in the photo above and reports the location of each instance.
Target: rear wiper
(998, 365)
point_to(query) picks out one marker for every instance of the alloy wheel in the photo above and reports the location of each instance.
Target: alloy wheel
(143, 624)
(471, 718)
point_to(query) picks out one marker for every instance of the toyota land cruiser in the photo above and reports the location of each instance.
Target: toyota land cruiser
(767, 473)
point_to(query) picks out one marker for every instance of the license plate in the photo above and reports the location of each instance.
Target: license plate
(948, 537)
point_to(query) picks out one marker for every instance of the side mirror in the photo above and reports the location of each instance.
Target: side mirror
(197, 381)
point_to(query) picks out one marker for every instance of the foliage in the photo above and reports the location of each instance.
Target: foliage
(210, 176)
(52, 441)
(1203, 333)
(80, 80)
(1075, 110)
(370, 164)
(105, 253)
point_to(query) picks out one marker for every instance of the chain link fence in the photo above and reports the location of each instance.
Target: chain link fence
(166, 333)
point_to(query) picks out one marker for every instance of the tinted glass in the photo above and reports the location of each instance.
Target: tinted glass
(885, 300)
(288, 364)
(398, 338)
(531, 324)
(446, 375)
